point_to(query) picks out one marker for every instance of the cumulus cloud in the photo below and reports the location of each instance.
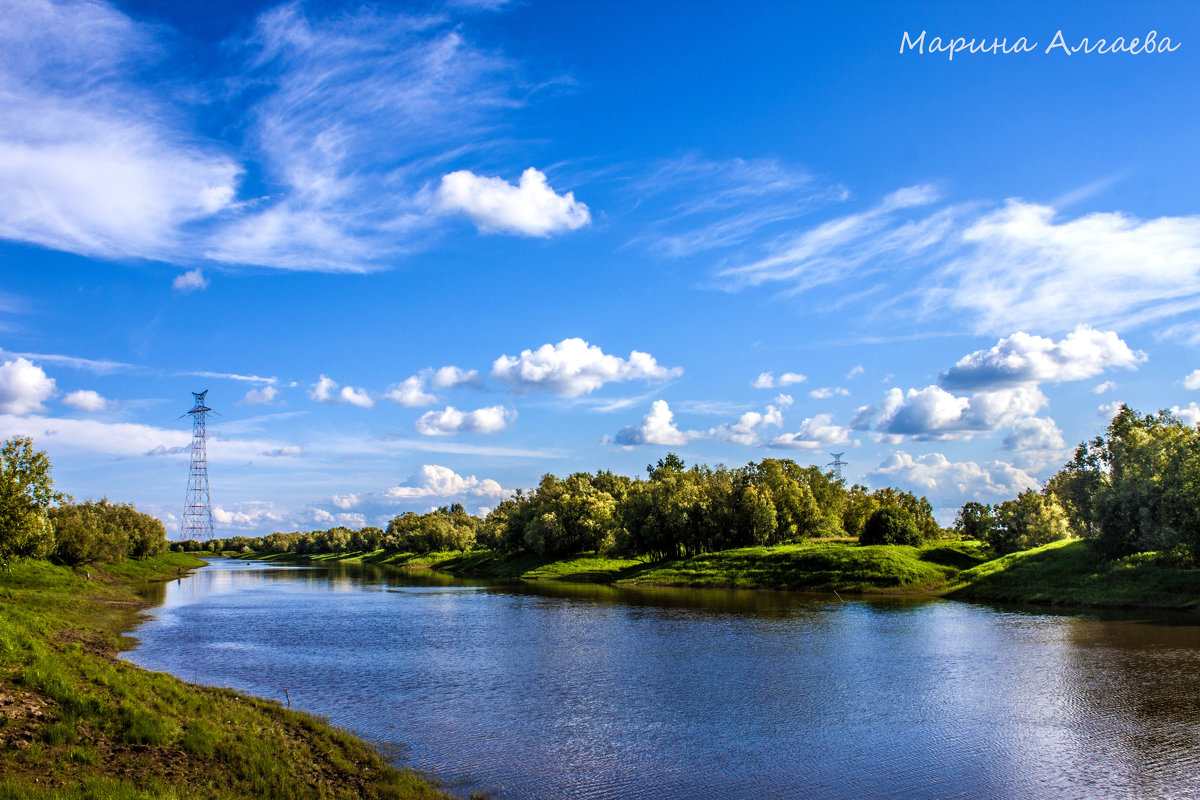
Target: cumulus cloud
(749, 425)
(86, 400)
(258, 397)
(658, 427)
(190, 281)
(24, 386)
(451, 377)
(1022, 358)
(767, 380)
(1106, 386)
(326, 390)
(1107, 411)
(433, 481)
(934, 413)
(951, 483)
(246, 516)
(1189, 414)
(450, 420)
(1192, 380)
(410, 393)
(531, 208)
(573, 367)
(345, 501)
(814, 433)
(1038, 442)
(826, 392)
(855, 371)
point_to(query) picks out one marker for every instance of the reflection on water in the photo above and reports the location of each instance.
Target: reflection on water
(549, 691)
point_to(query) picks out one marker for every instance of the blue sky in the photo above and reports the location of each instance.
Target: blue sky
(425, 253)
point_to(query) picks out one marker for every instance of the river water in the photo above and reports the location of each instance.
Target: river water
(593, 692)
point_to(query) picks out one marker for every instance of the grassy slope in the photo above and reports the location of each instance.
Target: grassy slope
(1070, 574)
(76, 722)
(1063, 574)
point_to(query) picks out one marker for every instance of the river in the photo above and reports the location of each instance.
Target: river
(552, 691)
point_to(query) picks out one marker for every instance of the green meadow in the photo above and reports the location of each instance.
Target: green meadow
(77, 722)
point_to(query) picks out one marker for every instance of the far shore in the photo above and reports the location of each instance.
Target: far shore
(1064, 574)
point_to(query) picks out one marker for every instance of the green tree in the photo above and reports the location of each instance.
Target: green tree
(891, 524)
(26, 492)
(975, 521)
(1031, 520)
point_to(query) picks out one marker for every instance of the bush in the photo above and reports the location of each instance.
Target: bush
(891, 525)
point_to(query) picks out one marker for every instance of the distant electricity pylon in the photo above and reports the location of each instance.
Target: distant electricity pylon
(197, 511)
(837, 463)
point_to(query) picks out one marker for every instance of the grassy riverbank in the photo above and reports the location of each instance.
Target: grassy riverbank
(77, 722)
(1066, 574)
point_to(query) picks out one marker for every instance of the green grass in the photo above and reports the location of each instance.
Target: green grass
(77, 722)
(1071, 574)
(818, 567)
(1061, 574)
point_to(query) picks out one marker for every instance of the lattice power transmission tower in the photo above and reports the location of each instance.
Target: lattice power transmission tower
(837, 463)
(197, 510)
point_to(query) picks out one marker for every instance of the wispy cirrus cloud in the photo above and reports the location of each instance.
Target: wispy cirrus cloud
(360, 111)
(90, 161)
(996, 266)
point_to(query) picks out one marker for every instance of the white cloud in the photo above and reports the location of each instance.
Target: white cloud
(767, 380)
(1189, 414)
(852, 244)
(1192, 380)
(88, 162)
(345, 501)
(126, 439)
(1022, 358)
(451, 377)
(190, 281)
(658, 427)
(855, 371)
(1025, 268)
(1107, 411)
(748, 427)
(933, 412)
(325, 390)
(353, 114)
(410, 393)
(1038, 441)
(246, 516)
(450, 421)
(826, 392)
(951, 483)
(814, 433)
(264, 396)
(573, 367)
(530, 208)
(86, 400)
(23, 387)
(1106, 386)
(432, 480)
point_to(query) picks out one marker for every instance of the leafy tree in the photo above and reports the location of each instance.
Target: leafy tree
(891, 524)
(975, 521)
(1031, 520)
(26, 492)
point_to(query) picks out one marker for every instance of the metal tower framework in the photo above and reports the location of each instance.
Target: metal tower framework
(197, 510)
(837, 463)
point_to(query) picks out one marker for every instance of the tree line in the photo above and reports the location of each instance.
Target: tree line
(1134, 489)
(38, 522)
(674, 511)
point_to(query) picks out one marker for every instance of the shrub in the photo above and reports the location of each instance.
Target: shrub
(890, 525)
